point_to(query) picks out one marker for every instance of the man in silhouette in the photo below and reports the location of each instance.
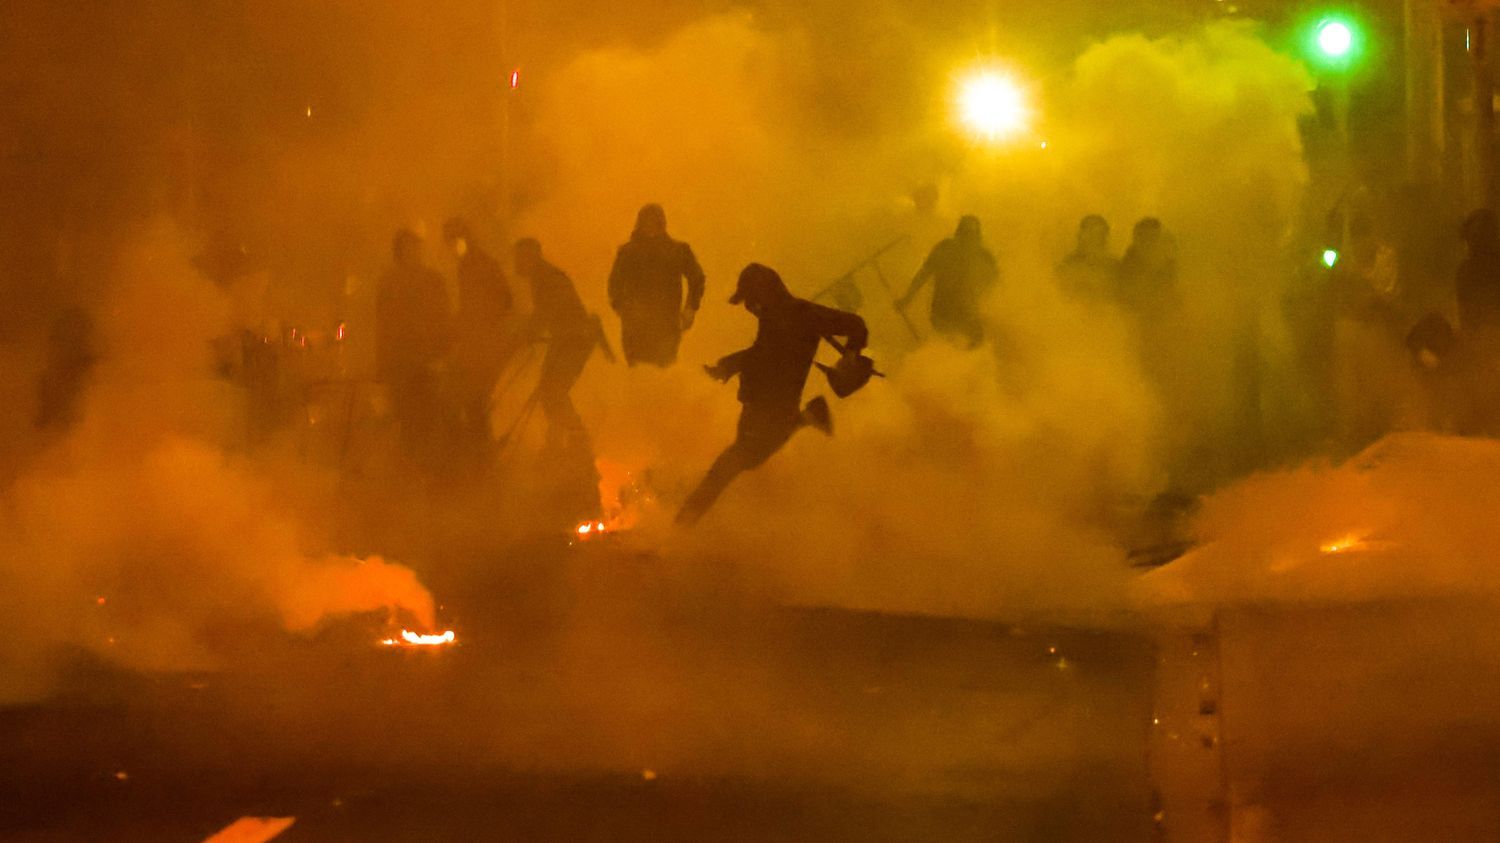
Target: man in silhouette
(1089, 271)
(963, 272)
(1147, 286)
(412, 339)
(646, 290)
(480, 346)
(772, 372)
(559, 319)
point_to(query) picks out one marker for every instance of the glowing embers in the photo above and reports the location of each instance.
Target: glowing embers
(421, 639)
(992, 106)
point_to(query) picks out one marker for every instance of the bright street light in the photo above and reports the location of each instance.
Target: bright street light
(1335, 39)
(992, 106)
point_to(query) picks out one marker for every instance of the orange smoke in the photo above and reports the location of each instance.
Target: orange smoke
(622, 495)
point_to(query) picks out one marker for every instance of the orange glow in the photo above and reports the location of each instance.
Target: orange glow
(338, 333)
(420, 639)
(621, 497)
(515, 79)
(1344, 544)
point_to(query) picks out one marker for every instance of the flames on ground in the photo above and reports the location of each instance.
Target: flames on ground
(409, 638)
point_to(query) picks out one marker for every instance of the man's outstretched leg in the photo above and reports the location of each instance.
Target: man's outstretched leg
(727, 467)
(761, 434)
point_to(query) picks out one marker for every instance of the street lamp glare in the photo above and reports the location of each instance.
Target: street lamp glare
(992, 105)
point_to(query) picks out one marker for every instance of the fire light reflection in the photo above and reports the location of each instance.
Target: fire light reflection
(1344, 544)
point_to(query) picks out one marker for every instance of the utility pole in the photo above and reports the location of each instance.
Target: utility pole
(1484, 106)
(1425, 101)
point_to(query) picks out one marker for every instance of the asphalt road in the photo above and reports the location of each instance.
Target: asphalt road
(588, 699)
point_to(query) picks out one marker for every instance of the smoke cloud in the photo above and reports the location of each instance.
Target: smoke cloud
(140, 536)
(972, 482)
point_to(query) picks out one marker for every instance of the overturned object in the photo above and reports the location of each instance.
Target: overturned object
(850, 374)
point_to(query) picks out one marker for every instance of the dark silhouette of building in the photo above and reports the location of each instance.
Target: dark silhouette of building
(1477, 283)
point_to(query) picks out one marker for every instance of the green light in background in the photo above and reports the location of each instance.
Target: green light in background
(1335, 40)
(1330, 258)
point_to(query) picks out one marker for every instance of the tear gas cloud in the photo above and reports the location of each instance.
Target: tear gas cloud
(139, 535)
(969, 481)
(985, 482)
(1405, 520)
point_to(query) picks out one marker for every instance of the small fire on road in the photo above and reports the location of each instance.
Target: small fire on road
(420, 639)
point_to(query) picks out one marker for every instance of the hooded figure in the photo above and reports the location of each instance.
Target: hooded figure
(646, 290)
(963, 272)
(412, 337)
(772, 372)
(480, 345)
(1147, 286)
(1089, 271)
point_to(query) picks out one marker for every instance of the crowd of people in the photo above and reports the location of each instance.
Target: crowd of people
(440, 362)
(655, 287)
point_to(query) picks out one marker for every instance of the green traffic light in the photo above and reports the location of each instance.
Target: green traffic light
(1330, 258)
(1335, 40)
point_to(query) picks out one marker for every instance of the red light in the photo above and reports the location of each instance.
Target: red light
(338, 333)
(515, 79)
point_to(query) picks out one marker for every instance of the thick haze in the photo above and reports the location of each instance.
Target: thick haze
(981, 482)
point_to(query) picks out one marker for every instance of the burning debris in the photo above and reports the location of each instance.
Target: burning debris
(591, 529)
(420, 639)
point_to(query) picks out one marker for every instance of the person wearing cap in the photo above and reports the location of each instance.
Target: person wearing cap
(962, 271)
(412, 337)
(558, 317)
(772, 372)
(646, 290)
(480, 347)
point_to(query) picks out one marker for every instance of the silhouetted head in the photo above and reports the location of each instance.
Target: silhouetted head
(1146, 232)
(1479, 231)
(1093, 235)
(759, 287)
(528, 256)
(650, 221)
(968, 229)
(925, 198)
(407, 248)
